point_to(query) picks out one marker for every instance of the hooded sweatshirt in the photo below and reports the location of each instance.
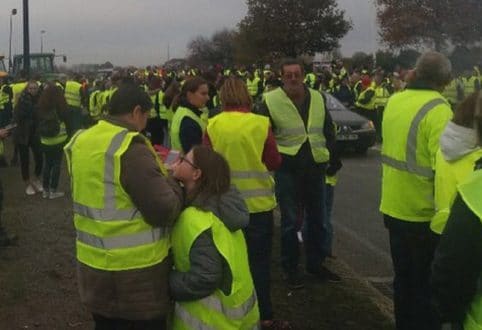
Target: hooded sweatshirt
(455, 160)
(209, 270)
(457, 141)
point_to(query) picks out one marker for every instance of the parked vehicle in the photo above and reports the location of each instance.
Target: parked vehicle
(352, 130)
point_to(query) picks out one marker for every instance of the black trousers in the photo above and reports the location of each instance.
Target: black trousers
(412, 246)
(259, 239)
(23, 150)
(104, 323)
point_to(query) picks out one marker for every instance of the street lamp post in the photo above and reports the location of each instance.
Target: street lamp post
(42, 32)
(26, 41)
(13, 13)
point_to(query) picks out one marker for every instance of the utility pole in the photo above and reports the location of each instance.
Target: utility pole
(26, 41)
(42, 41)
(13, 13)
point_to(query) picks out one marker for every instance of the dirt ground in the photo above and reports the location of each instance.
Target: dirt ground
(38, 281)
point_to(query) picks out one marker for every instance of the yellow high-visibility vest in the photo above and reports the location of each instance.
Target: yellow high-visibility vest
(72, 93)
(179, 115)
(412, 124)
(218, 311)
(243, 152)
(111, 232)
(290, 131)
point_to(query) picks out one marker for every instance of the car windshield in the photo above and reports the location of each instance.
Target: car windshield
(332, 103)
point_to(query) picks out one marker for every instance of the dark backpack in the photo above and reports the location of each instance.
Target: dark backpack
(49, 127)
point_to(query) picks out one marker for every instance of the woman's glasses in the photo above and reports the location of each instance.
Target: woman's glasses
(184, 159)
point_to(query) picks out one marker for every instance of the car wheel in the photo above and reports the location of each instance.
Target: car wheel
(361, 150)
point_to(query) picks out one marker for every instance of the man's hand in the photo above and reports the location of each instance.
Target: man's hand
(4, 133)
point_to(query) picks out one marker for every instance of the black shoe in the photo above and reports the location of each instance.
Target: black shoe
(3, 162)
(324, 274)
(293, 281)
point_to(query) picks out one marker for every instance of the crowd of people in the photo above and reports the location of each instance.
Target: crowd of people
(198, 230)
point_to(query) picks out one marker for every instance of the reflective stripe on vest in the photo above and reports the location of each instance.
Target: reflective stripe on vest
(122, 241)
(59, 138)
(410, 164)
(109, 211)
(213, 303)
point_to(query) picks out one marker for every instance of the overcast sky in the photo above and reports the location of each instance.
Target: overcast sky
(138, 32)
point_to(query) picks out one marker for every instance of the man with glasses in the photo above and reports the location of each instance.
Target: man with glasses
(305, 136)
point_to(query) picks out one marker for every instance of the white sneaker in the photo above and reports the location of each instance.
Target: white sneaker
(30, 190)
(56, 194)
(45, 194)
(37, 185)
(299, 234)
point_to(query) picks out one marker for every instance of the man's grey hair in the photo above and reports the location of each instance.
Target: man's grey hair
(434, 69)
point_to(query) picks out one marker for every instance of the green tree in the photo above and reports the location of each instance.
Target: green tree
(209, 51)
(275, 28)
(436, 23)
(386, 60)
(463, 58)
(361, 60)
(407, 58)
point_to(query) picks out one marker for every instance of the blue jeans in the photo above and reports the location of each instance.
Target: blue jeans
(327, 236)
(51, 172)
(302, 191)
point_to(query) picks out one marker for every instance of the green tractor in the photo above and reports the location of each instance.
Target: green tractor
(41, 64)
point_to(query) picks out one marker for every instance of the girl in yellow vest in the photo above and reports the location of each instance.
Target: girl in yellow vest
(188, 122)
(247, 143)
(211, 284)
(52, 115)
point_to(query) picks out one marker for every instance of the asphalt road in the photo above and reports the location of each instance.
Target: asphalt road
(361, 239)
